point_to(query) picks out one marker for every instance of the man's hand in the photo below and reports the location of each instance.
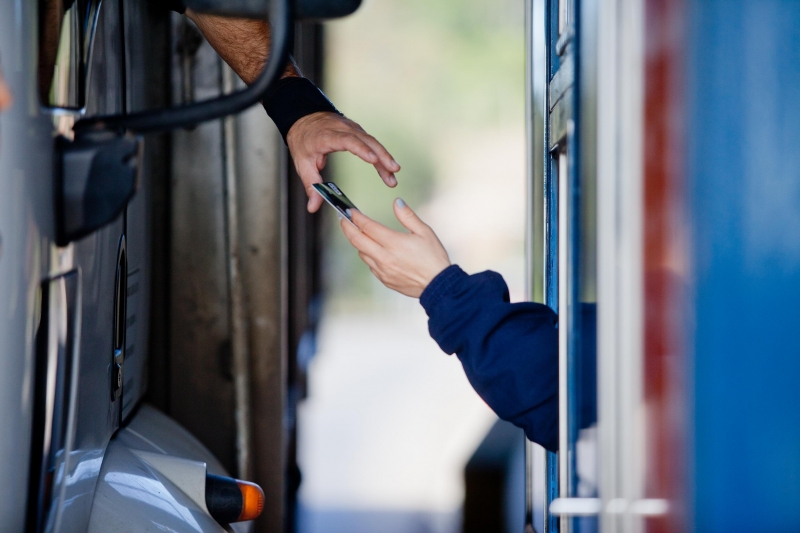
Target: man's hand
(404, 262)
(315, 136)
(244, 44)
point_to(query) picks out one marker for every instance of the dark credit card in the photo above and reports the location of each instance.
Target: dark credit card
(334, 196)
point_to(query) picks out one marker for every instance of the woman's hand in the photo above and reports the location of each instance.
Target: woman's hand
(405, 262)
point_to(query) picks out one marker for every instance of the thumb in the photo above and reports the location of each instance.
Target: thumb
(309, 175)
(408, 218)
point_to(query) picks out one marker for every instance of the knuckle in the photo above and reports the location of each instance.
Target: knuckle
(348, 140)
(363, 241)
(368, 226)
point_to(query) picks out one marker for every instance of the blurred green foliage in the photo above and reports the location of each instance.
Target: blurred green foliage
(412, 72)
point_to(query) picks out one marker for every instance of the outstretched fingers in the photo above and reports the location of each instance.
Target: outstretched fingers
(386, 165)
(350, 142)
(383, 161)
(360, 240)
(375, 230)
(408, 218)
(388, 177)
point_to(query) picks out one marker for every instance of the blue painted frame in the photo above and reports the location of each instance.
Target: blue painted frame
(551, 233)
(743, 180)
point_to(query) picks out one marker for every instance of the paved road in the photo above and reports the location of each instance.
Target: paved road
(389, 424)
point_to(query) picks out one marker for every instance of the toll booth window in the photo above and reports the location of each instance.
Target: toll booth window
(66, 36)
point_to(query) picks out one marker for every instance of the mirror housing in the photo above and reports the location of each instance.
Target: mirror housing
(98, 175)
(304, 9)
(325, 9)
(254, 9)
(99, 169)
(280, 15)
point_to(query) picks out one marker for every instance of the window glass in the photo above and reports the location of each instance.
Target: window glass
(66, 35)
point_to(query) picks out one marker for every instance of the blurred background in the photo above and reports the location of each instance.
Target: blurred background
(391, 421)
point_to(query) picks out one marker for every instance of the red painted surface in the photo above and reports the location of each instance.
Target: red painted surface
(665, 261)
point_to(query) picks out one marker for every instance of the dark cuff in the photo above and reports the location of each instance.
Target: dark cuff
(441, 286)
(291, 99)
(176, 6)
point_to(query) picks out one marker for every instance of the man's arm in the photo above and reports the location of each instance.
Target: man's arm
(244, 45)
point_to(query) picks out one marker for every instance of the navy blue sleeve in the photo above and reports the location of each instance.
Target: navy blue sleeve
(509, 351)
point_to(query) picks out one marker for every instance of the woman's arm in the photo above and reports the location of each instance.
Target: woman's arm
(509, 351)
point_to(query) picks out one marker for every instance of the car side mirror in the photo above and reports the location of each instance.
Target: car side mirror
(91, 196)
(232, 8)
(280, 14)
(325, 9)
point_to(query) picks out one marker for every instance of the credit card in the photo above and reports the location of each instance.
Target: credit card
(336, 198)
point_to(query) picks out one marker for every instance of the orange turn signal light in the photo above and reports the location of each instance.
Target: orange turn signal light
(233, 500)
(252, 500)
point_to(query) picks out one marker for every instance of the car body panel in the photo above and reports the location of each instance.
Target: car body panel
(26, 231)
(132, 495)
(30, 261)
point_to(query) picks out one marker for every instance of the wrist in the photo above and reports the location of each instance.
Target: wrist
(303, 123)
(293, 98)
(441, 286)
(433, 273)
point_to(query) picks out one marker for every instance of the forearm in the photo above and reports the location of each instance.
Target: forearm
(509, 351)
(243, 44)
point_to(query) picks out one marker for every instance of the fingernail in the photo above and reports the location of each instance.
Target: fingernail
(400, 203)
(392, 181)
(349, 213)
(372, 155)
(395, 163)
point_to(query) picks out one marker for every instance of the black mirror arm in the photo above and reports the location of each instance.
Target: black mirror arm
(282, 23)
